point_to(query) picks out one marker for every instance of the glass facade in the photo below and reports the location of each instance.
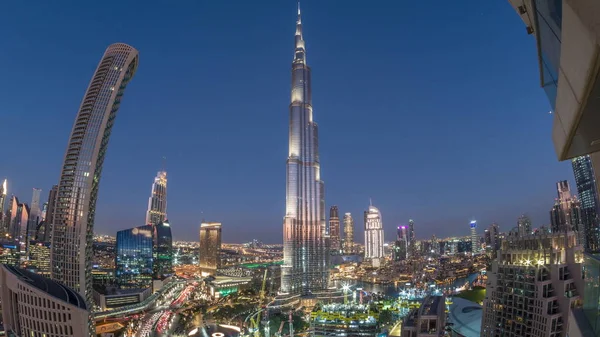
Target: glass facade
(133, 260)
(591, 297)
(549, 24)
(162, 251)
(586, 187)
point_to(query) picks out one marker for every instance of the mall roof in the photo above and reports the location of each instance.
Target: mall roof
(466, 316)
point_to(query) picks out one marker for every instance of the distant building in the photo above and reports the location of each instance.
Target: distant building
(162, 251)
(52, 198)
(19, 219)
(39, 258)
(10, 253)
(412, 240)
(133, 257)
(349, 234)
(428, 320)
(524, 225)
(533, 283)
(157, 203)
(334, 230)
(585, 179)
(373, 235)
(3, 191)
(400, 250)
(492, 238)
(565, 215)
(37, 306)
(474, 237)
(210, 247)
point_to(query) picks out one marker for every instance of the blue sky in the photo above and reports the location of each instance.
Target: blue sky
(431, 108)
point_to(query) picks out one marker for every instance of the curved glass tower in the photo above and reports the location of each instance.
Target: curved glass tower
(305, 251)
(73, 217)
(373, 234)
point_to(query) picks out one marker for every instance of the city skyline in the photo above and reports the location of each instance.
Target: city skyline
(123, 199)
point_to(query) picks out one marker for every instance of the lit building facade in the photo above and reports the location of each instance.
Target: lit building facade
(348, 234)
(492, 238)
(162, 250)
(524, 225)
(588, 195)
(73, 217)
(157, 203)
(133, 257)
(19, 219)
(33, 305)
(412, 240)
(373, 235)
(426, 321)
(3, 191)
(39, 258)
(474, 238)
(566, 215)
(305, 244)
(400, 251)
(10, 253)
(533, 284)
(210, 247)
(334, 230)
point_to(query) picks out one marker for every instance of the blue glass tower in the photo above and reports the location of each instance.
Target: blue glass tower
(133, 260)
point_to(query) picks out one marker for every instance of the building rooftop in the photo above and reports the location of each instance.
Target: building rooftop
(431, 305)
(48, 286)
(466, 317)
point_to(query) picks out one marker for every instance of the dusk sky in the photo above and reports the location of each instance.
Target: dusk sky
(431, 108)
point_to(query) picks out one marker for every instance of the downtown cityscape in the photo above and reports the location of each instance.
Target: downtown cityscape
(78, 261)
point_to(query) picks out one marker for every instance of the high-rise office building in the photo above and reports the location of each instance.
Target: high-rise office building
(373, 235)
(492, 238)
(588, 195)
(412, 240)
(210, 247)
(19, 219)
(334, 230)
(35, 216)
(3, 190)
(133, 257)
(162, 250)
(33, 305)
(400, 251)
(533, 283)
(474, 238)
(157, 203)
(52, 198)
(566, 215)
(348, 234)
(305, 251)
(75, 210)
(524, 225)
(39, 258)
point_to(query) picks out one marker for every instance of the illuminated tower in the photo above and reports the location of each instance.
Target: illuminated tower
(474, 238)
(305, 251)
(373, 235)
(585, 179)
(210, 247)
(2, 200)
(334, 230)
(73, 218)
(412, 241)
(157, 204)
(349, 234)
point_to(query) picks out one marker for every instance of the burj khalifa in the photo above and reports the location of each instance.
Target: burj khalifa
(305, 237)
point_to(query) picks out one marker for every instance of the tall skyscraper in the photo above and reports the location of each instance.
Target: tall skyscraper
(524, 225)
(52, 198)
(566, 215)
(133, 257)
(35, 216)
(373, 235)
(73, 218)
(474, 238)
(157, 204)
(305, 252)
(334, 230)
(210, 247)
(3, 190)
(400, 251)
(412, 240)
(19, 219)
(493, 238)
(162, 251)
(588, 195)
(349, 234)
